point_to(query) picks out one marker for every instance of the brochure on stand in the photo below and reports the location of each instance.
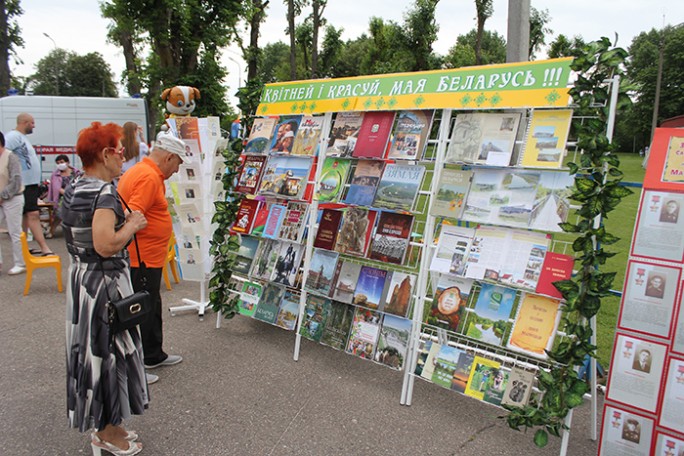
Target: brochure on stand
(488, 321)
(364, 182)
(249, 298)
(519, 388)
(316, 315)
(260, 135)
(308, 136)
(285, 176)
(648, 300)
(410, 134)
(483, 375)
(344, 134)
(284, 135)
(265, 259)
(445, 365)
(660, 230)
(483, 138)
(636, 372)
(400, 293)
(452, 250)
(546, 138)
(535, 325)
(399, 186)
(625, 433)
(452, 191)
(449, 302)
(365, 330)
(665, 170)
(338, 325)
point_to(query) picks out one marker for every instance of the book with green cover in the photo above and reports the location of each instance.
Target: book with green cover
(267, 309)
(336, 331)
(316, 315)
(399, 186)
(249, 297)
(453, 190)
(333, 179)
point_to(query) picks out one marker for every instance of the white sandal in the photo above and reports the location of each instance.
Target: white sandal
(97, 445)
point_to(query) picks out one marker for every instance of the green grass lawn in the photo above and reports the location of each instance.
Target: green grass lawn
(620, 222)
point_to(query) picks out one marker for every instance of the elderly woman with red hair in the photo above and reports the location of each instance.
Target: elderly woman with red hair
(106, 381)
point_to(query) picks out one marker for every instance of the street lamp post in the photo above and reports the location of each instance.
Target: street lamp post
(56, 69)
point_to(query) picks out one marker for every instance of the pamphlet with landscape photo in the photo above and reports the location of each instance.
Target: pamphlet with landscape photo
(245, 254)
(364, 182)
(285, 176)
(546, 138)
(347, 277)
(483, 138)
(260, 135)
(316, 315)
(399, 186)
(321, 271)
(451, 194)
(333, 179)
(488, 321)
(288, 311)
(399, 294)
(445, 365)
(370, 287)
(338, 325)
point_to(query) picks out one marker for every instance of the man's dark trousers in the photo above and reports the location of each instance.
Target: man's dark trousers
(151, 329)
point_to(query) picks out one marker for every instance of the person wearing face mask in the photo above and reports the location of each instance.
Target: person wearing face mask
(63, 174)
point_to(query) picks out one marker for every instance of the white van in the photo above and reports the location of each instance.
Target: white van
(59, 119)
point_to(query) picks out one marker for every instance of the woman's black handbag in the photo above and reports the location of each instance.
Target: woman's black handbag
(128, 312)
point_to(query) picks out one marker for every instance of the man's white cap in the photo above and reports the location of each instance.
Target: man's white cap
(169, 143)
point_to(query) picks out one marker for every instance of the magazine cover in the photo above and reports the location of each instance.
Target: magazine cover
(333, 179)
(535, 325)
(316, 315)
(488, 321)
(346, 282)
(399, 186)
(245, 254)
(364, 182)
(265, 259)
(364, 333)
(399, 294)
(294, 222)
(267, 309)
(431, 361)
(546, 138)
(369, 288)
(287, 265)
(449, 303)
(519, 388)
(328, 229)
(482, 376)
(246, 215)
(393, 341)
(249, 297)
(285, 176)
(338, 325)
(410, 134)
(288, 311)
(374, 134)
(321, 271)
(483, 138)
(308, 136)
(496, 386)
(453, 189)
(355, 231)
(260, 135)
(248, 181)
(284, 134)
(445, 366)
(391, 239)
(344, 133)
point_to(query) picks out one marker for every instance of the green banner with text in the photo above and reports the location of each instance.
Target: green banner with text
(513, 85)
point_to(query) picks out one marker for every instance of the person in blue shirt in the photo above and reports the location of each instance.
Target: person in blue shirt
(17, 141)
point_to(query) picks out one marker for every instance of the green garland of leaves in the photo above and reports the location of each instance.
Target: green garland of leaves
(224, 245)
(598, 190)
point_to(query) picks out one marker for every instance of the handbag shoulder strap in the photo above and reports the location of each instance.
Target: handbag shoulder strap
(135, 237)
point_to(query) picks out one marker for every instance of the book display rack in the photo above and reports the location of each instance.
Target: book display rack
(190, 194)
(426, 232)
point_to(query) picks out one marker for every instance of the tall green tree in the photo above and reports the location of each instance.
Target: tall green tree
(252, 14)
(485, 9)
(462, 54)
(317, 21)
(634, 127)
(164, 44)
(69, 74)
(563, 46)
(538, 30)
(420, 29)
(10, 39)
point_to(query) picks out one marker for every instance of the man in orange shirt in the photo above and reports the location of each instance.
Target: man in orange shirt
(142, 187)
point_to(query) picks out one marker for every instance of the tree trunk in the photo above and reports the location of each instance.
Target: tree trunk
(291, 29)
(133, 84)
(478, 42)
(255, 21)
(317, 15)
(4, 50)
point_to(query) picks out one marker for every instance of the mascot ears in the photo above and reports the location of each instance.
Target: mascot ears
(190, 93)
(180, 100)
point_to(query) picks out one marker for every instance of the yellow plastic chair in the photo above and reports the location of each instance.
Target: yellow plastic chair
(171, 263)
(37, 262)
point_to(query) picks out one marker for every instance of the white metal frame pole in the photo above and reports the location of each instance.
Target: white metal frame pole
(313, 213)
(421, 286)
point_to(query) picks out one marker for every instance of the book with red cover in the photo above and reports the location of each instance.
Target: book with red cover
(391, 239)
(328, 228)
(248, 182)
(556, 267)
(246, 214)
(374, 134)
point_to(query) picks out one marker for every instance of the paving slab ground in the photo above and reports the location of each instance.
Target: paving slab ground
(239, 392)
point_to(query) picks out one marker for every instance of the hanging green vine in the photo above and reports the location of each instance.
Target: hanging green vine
(598, 190)
(224, 245)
